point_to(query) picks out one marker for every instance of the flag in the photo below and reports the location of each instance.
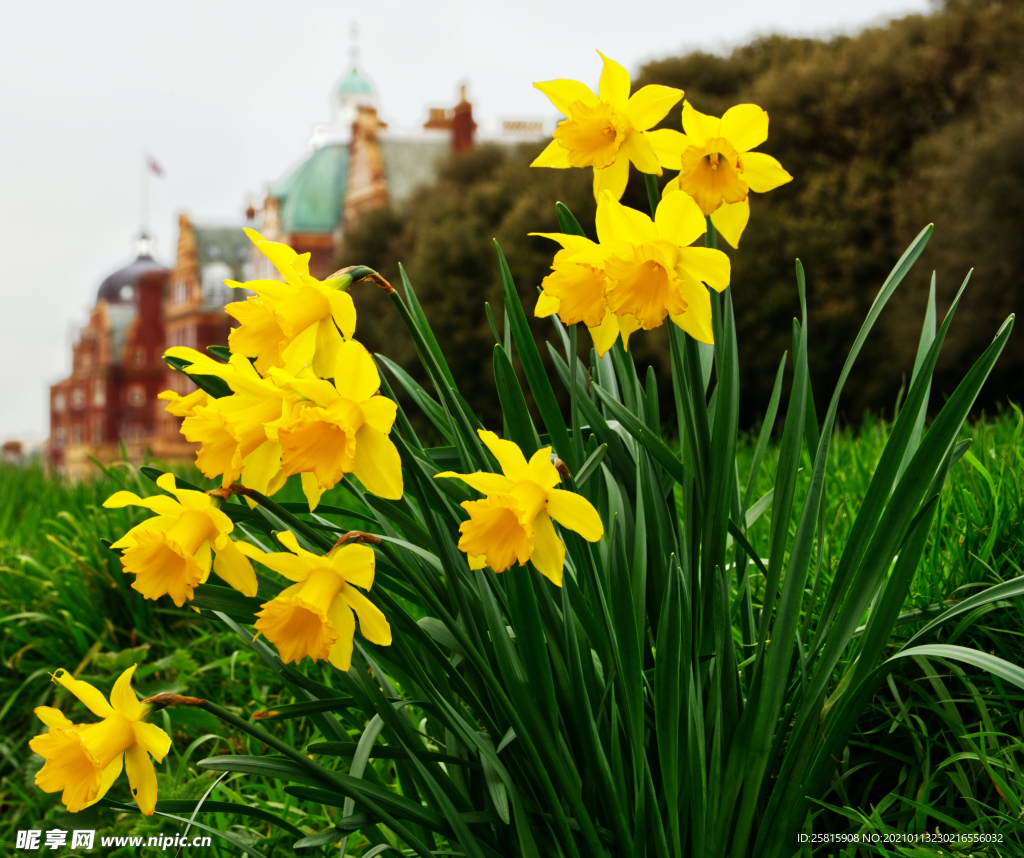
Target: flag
(153, 166)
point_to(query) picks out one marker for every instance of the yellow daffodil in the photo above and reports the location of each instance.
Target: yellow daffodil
(171, 553)
(716, 165)
(184, 406)
(297, 320)
(238, 433)
(84, 760)
(576, 291)
(513, 522)
(652, 272)
(608, 130)
(316, 615)
(342, 429)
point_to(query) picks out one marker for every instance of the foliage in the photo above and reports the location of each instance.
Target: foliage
(885, 130)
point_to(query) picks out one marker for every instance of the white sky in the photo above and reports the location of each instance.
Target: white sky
(224, 95)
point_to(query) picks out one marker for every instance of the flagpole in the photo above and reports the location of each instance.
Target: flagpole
(144, 196)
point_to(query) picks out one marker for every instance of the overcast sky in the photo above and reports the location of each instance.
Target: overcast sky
(224, 95)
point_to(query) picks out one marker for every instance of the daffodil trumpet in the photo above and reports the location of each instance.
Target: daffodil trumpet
(84, 760)
(513, 523)
(608, 130)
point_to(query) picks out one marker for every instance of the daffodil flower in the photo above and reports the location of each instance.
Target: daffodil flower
(716, 165)
(237, 433)
(84, 760)
(576, 291)
(171, 554)
(513, 522)
(342, 429)
(651, 269)
(608, 130)
(315, 617)
(298, 319)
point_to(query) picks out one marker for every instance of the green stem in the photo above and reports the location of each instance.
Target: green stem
(320, 772)
(288, 518)
(653, 193)
(711, 236)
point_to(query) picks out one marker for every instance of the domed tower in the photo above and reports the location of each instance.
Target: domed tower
(116, 369)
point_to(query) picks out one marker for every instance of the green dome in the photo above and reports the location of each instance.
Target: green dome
(355, 84)
(312, 197)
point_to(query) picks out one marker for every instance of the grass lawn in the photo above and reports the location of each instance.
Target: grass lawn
(938, 744)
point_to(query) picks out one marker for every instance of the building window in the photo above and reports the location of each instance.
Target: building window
(76, 433)
(59, 437)
(77, 398)
(59, 402)
(97, 430)
(137, 395)
(139, 356)
(99, 393)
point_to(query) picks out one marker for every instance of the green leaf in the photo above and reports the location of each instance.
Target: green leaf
(536, 376)
(212, 597)
(513, 405)
(300, 710)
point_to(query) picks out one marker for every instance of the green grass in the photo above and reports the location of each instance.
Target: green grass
(935, 741)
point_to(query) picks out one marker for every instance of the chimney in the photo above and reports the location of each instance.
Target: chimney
(462, 125)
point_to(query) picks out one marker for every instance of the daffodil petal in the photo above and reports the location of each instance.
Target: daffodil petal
(612, 178)
(576, 513)
(481, 481)
(142, 778)
(508, 454)
(344, 623)
(261, 466)
(234, 569)
(699, 125)
(679, 220)
(548, 551)
(546, 305)
(763, 173)
(372, 622)
(160, 504)
(152, 739)
(380, 413)
(53, 717)
(288, 540)
(355, 563)
(614, 85)
(669, 146)
(123, 697)
(696, 321)
(650, 104)
(311, 489)
(343, 311)
(605, 334)
(542, 471)
(378, 465)
(638, 149)
(707, 264)
(554, 155)
(745, 126)
(564, 92)
(616, 222)
(92, 697)
(293, 568)
(110, 774)
(731, 219)
(355, 374)
(572, 243)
